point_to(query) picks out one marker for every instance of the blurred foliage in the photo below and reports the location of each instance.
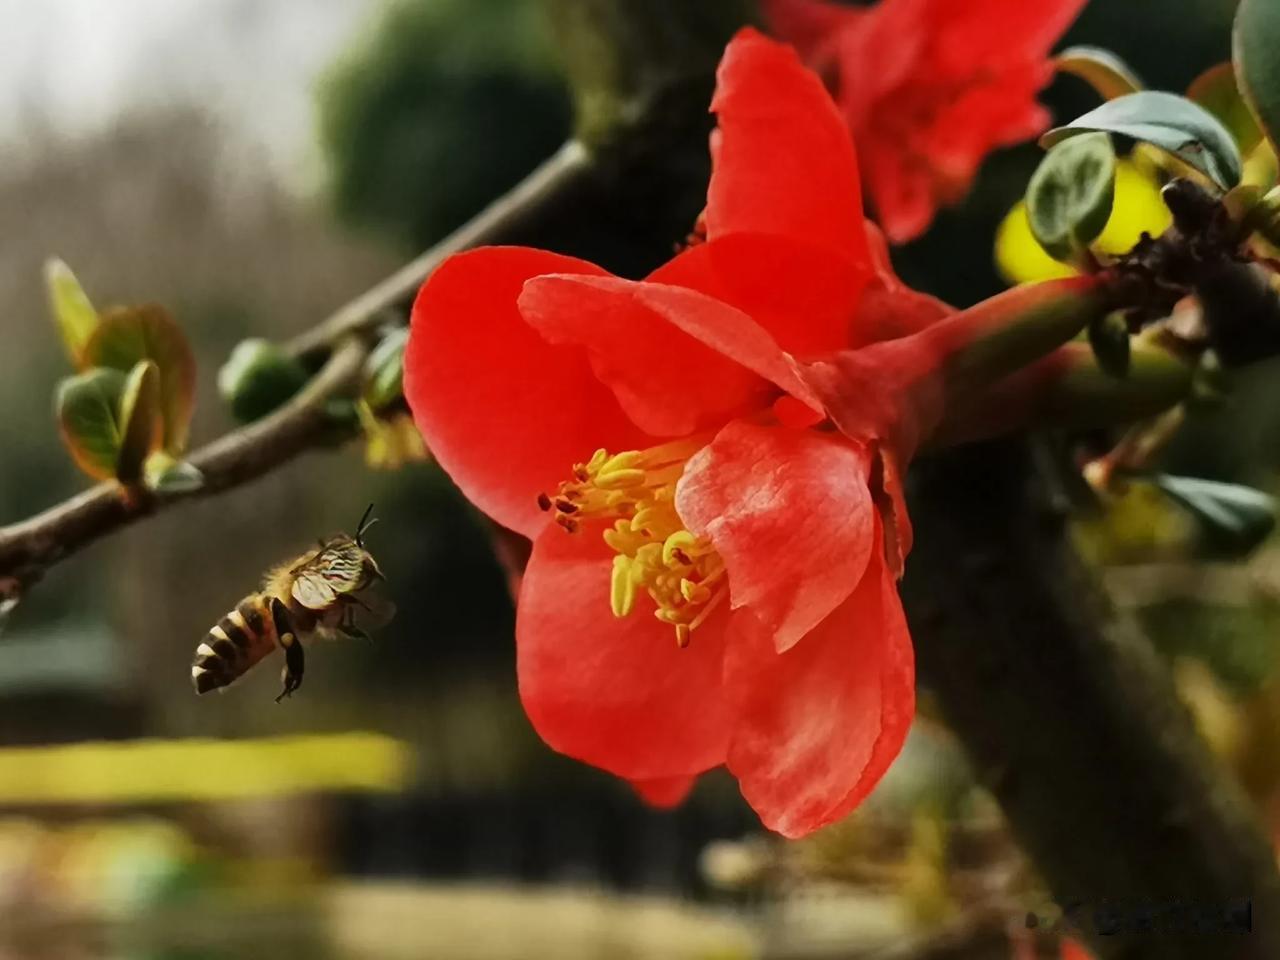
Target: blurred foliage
(441, 108)
(1137, 208)
(1176, 125)
(173, 771)
(1166, 51)
(1235, 642)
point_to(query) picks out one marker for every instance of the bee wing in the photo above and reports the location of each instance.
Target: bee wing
(336, 569)
(374, 610)
(312, 590)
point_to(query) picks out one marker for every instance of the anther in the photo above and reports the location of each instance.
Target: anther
(620, 479)
(676, 545)
(622, 587)
(694, 592)
(544, 502)
(621, 461)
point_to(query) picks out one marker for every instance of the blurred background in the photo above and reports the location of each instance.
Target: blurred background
(252, 166)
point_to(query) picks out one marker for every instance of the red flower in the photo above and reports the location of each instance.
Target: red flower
(929, 87)
(1071, 950)
(749, 559)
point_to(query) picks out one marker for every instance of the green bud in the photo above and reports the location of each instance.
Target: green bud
(384, 371)
(258, 378)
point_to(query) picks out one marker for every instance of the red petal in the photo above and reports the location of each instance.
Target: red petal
(815, 728)
(792, 516)
(889, 309)
(878, 53)
(979, 117)
(973, 36)
(783, 158)
(892, 314)
(614, 692)
(901, 187)
(504, 412)
(677, 360)
(666, 793)
(806, 296)
(809, 25)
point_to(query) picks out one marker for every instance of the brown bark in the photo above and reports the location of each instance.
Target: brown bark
(1072, 721)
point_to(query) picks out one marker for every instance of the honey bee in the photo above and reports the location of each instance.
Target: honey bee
(314, 594)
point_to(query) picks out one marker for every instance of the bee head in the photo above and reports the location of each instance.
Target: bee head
(372, 571)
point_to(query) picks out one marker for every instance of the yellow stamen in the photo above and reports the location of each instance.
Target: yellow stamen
(622, 587)
(680, 571)
(620, 479)
(676, 548)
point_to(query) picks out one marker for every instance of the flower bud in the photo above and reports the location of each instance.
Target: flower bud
(258, 377)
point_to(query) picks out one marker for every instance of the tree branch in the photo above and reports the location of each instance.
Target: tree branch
(1070, 719)
(30, 547)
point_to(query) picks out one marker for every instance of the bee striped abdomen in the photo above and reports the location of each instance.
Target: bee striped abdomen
(238, 641)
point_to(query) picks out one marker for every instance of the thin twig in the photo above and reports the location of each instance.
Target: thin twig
(30, 547)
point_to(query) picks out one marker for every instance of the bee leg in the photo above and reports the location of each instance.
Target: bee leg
(353, 632)
(294, 657)
(347, 626)
(294, 662)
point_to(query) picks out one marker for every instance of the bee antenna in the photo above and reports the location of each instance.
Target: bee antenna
(364, 525)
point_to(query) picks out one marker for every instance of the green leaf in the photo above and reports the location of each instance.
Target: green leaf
(72, 312)
(1236, 519)
(1216, 91)
(1109, 338)
(1070, 195)
(1101, 69)
(258, 377)
(1256, 53)
(384, 371)
(126, 335)
(88, 408)
(166, 475)
(141, 428)
(1165, 120)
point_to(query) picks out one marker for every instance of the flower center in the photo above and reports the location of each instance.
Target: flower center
(636, 489)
